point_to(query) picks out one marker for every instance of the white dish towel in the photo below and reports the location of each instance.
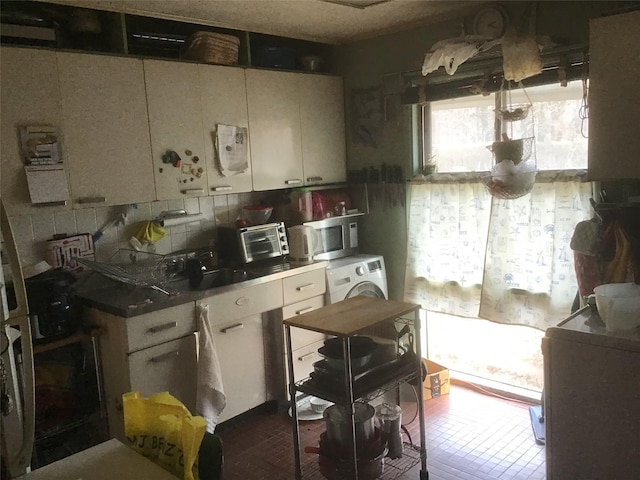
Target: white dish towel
(210, 397)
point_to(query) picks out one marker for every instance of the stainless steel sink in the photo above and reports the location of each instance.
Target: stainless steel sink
(220, 277)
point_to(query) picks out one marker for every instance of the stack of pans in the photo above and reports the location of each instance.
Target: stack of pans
(362, 349)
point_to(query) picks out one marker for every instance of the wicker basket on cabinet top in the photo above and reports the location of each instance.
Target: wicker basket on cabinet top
(209, 47)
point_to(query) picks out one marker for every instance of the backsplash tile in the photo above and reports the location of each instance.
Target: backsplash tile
(65, 223)
(32, 231)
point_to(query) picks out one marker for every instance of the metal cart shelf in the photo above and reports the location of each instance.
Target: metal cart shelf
(345, 319)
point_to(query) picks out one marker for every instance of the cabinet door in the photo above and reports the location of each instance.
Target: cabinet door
(29, 96)
(106, 132)
(175, 123)
(274, 122)
(324, 155)
(224, 101)
(614, 98)
(240, 349)
(168, 367)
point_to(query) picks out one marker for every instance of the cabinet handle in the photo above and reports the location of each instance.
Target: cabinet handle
(61, 203)
(306, 356)
(304, 310)
(192, 191)
(92, 200)
(225, 188)
(242, 301)
(165, 356)
(314, 179)
(302, 288)
(293, 181)
(232, 328)
(165, 326)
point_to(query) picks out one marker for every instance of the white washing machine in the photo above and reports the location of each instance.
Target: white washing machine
(356, 275)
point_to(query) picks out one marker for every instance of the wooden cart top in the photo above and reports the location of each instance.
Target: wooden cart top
(351, 316)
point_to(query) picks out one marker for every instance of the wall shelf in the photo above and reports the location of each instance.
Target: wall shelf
(41, 24)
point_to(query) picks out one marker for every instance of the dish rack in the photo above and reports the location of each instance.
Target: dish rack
(141, 269)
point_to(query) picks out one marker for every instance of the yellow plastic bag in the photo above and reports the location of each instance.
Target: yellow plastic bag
(161, 428)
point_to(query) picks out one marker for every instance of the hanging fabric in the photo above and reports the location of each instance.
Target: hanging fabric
(508, 261)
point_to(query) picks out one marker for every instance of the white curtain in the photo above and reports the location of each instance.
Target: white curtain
(508, 261)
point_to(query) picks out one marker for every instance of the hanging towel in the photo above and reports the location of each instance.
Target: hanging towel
(210, 397)
(149, 231)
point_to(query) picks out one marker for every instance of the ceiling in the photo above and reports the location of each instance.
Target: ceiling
(324, 21)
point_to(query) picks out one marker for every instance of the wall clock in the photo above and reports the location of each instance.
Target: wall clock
(490, 22)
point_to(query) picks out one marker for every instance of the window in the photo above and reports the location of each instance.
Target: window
(493, 274)
(461, 129)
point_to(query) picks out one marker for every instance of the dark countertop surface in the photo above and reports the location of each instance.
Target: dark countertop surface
(97, 291)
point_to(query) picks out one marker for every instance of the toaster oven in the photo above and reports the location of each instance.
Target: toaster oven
(251, 244)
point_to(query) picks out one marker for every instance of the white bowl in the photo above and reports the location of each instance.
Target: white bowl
(619, 305)
(319, 405)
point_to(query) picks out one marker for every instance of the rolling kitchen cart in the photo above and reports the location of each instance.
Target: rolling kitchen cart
(343, 320)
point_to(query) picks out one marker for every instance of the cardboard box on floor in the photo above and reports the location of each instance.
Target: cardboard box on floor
(437, 381)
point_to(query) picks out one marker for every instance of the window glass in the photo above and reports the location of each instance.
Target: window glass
(462, 129)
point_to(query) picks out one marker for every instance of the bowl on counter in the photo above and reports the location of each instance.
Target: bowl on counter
(619, 305)
(256, 214)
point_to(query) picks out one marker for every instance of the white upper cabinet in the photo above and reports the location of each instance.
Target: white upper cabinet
(323, 129)
(106, 129)
(30, 96)
(274, 129)
(175, 123)
(614, 97)
(297, 129)
(223, 96)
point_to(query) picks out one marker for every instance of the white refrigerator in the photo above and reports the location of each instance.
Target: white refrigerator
(16, 367)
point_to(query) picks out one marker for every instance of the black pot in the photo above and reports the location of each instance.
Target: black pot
(360, 347)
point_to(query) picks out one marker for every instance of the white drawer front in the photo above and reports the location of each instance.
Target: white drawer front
(303, 286)
(303, 360)
(160, 326)
(170, 367)
(245, 302)
(301, 337)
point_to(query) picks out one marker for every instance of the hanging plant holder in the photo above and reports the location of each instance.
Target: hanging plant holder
(510, 183)
(514, 113)
(517, 150)
(514, 172)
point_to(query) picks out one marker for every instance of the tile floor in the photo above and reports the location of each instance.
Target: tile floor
(470, 436)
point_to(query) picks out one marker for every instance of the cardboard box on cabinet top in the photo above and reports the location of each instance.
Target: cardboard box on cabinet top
(436, 383)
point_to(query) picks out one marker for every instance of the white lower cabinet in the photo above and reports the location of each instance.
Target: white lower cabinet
(168, 367)
(153, 352)
(303, 360)
(304, 343)
(236, 319)
(240, 348)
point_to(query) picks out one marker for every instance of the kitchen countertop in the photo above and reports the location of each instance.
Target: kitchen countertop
(585, 325)
(111, 459)
(127, 301)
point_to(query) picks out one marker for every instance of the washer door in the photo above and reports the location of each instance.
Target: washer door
(366, 289)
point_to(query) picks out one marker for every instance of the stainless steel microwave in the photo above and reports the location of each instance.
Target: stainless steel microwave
(251, 244)
(337, 237)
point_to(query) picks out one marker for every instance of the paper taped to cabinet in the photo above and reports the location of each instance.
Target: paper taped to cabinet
(231, 149)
